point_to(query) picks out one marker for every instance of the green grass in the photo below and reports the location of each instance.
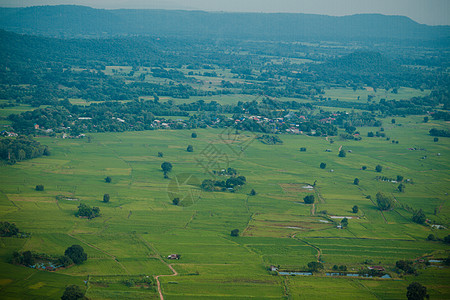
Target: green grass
(140, 224)
(348, 94)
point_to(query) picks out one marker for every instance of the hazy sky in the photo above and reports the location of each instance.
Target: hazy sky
(433, 12)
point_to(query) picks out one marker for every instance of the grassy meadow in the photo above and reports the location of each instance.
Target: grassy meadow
(139, 227)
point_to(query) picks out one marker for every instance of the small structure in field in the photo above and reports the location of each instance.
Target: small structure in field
(378, 268)
(273, 268)
(173, 256)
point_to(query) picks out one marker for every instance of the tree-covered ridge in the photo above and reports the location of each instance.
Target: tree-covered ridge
(76, 21)
(20, 148)
(38, 70)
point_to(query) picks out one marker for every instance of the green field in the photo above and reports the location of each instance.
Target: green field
(140, 226)
(350, 95)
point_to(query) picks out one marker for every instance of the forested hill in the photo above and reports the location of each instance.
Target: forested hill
(76, 21)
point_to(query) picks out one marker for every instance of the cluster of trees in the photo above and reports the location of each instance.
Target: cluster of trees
(407, 266)
(86, 211)
(384, 202)
(8, 229)
(13, 149)
(439, 132)
(270, 139)
(230, 184)
(72, 255)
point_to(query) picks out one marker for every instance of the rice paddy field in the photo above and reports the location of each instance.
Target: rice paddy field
(140, 226)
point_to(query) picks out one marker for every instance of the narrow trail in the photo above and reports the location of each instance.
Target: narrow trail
(313, 209)
(319, 251)
(340, 148)
(104, 252)
(158, 255)
(191, 219)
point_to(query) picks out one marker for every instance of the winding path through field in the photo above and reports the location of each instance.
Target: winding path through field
(175, 273)
(158, 255)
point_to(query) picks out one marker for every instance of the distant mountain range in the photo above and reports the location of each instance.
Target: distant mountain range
(82, 21)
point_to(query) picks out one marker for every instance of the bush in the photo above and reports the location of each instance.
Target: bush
(106, 198)
(342, 153)
(323, 165)
(309, 199)
(39, 187)
(160, 154)
(303, 149)
(355, 209)
(234, 232)
(108, 179)
(194, 135)
(431, 237)
(253, 192)
(379, 168)
(190, 148)
(85, 210)
(364, 168)
(356, 181)
(176, 201)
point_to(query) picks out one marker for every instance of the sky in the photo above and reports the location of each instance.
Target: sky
(431, 12)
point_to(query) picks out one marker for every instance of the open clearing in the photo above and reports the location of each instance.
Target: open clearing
(140, 226)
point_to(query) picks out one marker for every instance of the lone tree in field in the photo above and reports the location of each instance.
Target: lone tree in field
(194, 135)
(384, 202)
(39, 188)
(106, 198)
(160, 154)
(344, 223)
(73, 292)
(342, 153)
(323, 165)
(436, 140)
(253, 192)
(356, 181)
(108, 179)
(190, 148)
(176, 201)
(303, 149)
(378, 168)
(166, 167)
(355, 209)
(419, 217)
(76, 254)
(234, 232)
(309, 199)
(416, 291)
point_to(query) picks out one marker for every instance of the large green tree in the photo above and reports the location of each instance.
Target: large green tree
(76, 254)
(73, 292)
(416, 291)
